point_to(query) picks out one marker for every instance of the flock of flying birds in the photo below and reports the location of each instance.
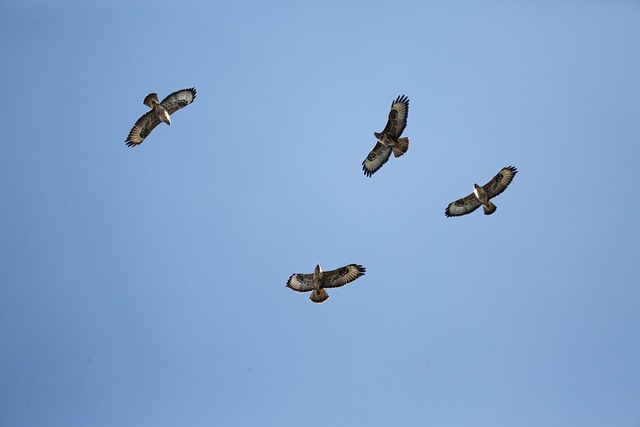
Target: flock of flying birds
(388, 141)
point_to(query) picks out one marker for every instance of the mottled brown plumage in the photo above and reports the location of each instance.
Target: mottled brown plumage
(482, 196)
(319, 280)
(389, 139)
(160, 112)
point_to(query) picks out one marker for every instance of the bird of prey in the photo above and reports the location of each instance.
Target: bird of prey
(482, 196)
(389, 139)
(319, 280)
(160, 112)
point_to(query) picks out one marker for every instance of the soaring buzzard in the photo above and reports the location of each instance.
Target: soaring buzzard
(319, 280)
(483, 195)
(389, 139)
(160, 112)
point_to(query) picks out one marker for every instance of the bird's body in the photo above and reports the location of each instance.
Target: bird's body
(483, 198)
(319, 280)
(318, 294)
(151, 101)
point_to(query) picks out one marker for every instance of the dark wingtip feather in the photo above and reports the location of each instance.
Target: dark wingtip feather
(401, 98)
(290, 286)
(361, 269)
(449, 214)
(367, 172)
(513, 171)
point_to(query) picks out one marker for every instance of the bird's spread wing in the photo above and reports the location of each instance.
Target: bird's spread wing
(397, 117)
(500, 182)
(463, 206)
(178, 100)
(142, 128)
(376, 158)
(342, 276)
(301, 282)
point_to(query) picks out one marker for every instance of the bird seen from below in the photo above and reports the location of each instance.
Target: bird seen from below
(482, 196)
(319, 280)
(389, 139)
(160, 112)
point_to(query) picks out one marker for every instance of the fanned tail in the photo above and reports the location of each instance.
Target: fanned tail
(489, 208)
(319, 296)
(401, 147)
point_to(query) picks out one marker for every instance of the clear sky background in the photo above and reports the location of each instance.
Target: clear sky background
(146, 286)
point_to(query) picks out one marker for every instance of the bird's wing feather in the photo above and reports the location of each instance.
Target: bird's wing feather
(301, 282)
(397, 117)
(178, 99)
(143, 127)
(376, 158)
(463, 206)
(500, 182)
(342, 276)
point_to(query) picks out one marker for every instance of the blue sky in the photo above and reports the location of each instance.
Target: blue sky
(146, 286)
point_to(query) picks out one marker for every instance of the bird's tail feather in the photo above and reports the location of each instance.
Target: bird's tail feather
(319, 296)
(489, 208)
(401, 147)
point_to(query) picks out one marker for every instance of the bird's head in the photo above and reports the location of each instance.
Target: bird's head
(318, 270)
(165, 117)
(477, 190)
(378, 135)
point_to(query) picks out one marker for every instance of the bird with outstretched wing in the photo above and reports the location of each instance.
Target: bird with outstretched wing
(160, 112)
(319, 280)
(482, 196)
(389, 139)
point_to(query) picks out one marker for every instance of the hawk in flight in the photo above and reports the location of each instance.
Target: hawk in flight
(389, 139)
(482, 196)
(160, 112)
(319, 280)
